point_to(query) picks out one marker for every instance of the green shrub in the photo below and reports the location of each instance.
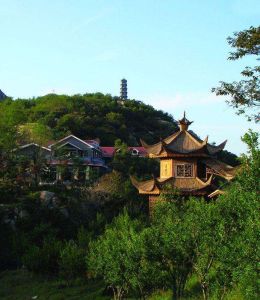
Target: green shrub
(84, 237)
(32, 259)
(43, 259)
(72, 261)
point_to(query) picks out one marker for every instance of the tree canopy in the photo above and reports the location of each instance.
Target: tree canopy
(87, 116)
(244, 95)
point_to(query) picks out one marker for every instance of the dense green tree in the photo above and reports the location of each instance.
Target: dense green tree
(72, 261)
(115, 256)
(244, 94)
(237, 255)
(169, 245)
(202, 221)
(128, 164)
(43, 259)
(250, 169)
(239, 210)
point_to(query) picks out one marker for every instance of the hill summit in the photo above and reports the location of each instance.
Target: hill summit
(91, 116)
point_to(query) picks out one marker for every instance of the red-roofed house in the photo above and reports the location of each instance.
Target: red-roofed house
(109, 152)
(73, 153)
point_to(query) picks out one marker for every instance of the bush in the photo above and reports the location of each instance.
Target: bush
(43, 259)
(72, 261)
(116, 256)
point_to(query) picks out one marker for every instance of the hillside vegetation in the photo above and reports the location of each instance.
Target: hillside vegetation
(87, 116)
(97, 241)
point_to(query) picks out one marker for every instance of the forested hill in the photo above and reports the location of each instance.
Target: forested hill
(88, 116)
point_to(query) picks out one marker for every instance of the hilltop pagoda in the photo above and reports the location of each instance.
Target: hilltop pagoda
(186, 163)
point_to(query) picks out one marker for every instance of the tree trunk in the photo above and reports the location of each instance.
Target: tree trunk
(174, 291)
(205, 291)
(119, 293)
(142, 294)
(223, 293)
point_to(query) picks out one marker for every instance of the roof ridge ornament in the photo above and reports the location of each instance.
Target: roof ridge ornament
(205, 142)
(184, 123)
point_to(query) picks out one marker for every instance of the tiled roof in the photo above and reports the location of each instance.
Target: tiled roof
(77, 142)
(33, 145)
(220, 168)
(182, 142)
(189, 185)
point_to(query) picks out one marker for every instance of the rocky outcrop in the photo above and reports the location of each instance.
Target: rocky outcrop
(9, 215)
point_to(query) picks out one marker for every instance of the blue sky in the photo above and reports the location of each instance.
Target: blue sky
(171, 52)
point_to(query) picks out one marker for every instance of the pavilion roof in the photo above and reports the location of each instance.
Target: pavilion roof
(185, 185)
(182, 142)
(220, 168)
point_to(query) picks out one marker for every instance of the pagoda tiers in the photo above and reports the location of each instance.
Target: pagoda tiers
(186, 163)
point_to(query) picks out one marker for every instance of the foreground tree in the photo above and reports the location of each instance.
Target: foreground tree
(244, 95)
(202, 222)
(169, 245)
(115, 256)
(71, 262)
(239, 207)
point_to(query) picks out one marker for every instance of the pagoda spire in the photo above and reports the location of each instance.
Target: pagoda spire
(123, 89)
(184, 123)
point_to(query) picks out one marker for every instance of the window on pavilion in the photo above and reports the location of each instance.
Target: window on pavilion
(184, 170)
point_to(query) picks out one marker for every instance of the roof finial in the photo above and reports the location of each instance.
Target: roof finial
(184, 123)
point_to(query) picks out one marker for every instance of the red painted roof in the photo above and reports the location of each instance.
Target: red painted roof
(110, 151)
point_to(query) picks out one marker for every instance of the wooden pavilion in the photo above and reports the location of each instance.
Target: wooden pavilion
(186, 163)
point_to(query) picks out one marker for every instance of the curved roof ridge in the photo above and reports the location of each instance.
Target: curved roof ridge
(222, 169)
(185, 143)
(215, 149)
(154, 149)
(134, 181)
(208, 182)
(172, 137)
(162, 180)
(147, 185)
(143, 143)
(217, 192)
(194, 139)
(205, 142)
